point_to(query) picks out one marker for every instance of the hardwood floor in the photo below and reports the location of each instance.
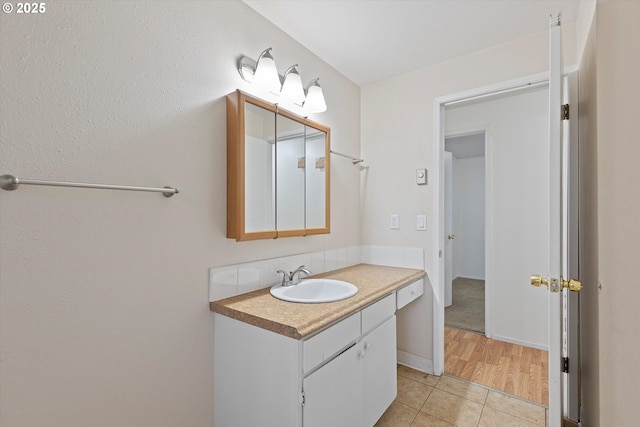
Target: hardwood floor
(514, 369)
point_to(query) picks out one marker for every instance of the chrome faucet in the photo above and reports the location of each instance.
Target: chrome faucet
(293, 278)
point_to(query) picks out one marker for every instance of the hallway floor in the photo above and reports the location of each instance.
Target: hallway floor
(426, 400)
(511, 368)
(467, 308)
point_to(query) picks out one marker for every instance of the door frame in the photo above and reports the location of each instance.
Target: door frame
(488, 179)
(438, 203)
(437, 213)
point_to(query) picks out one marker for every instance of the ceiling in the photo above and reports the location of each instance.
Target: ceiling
(465, 146)
(372, 40)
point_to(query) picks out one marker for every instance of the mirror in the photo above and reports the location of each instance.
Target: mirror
(259, 169)
(277, 172)
(290, 174)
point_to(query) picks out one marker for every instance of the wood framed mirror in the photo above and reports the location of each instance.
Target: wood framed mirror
(277, 171)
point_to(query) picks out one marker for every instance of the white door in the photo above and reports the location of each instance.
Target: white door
(448, 228)
(555, 223)
(555, 278)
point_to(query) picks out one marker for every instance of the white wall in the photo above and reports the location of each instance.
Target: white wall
(586, 11)
(609, 211)
(518, 204)
(468, 217)
(588, 223)
(397, 139)
(104, 314)
(618, 200)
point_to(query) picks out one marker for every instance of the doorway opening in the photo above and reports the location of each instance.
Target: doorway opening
(504, 239)
(465, 170)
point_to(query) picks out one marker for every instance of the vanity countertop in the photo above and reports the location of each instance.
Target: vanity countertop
(299, 320)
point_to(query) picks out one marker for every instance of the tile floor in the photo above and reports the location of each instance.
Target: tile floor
(426, 400)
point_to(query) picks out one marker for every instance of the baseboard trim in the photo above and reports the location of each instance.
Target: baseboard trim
(415, 362)
(566, 422)
(520, 342)
(468, 277)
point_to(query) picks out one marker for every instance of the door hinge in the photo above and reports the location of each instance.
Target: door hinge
(565, 112)
(565, 364)
(302, 398)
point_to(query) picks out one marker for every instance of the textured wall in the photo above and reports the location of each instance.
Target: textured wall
(104, 295)
(588, 223)
(618, 91)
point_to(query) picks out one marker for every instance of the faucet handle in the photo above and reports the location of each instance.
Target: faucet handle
(286, 279)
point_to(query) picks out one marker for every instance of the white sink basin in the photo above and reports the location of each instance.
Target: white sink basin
(315, 291)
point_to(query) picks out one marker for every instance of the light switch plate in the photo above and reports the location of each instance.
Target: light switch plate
(421, 222)
(421, 176)
(395, 221)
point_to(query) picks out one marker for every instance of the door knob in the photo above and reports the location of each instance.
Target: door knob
(451, 236)
(537, 281)
(572, 284)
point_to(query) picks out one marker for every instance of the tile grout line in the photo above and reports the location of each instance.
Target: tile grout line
(481, 414)
(436, 385)
(520, 398)
(519, 417)
(485, 400)
(484, 405)
(430, 414)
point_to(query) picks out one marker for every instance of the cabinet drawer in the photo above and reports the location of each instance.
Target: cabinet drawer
(327, 343)
(409, 293)
(377, 313)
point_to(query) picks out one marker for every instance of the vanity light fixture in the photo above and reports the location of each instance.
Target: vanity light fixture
(264, 73)
(292, 89)
(314, 103)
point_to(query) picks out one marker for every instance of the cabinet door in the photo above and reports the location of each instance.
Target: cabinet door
(290, 174)
(333, 394)
(380, 381)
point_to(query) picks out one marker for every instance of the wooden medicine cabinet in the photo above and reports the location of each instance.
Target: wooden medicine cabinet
(277, 171)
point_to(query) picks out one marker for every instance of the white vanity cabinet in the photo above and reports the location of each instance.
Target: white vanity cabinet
(357, 386)
(342, 376)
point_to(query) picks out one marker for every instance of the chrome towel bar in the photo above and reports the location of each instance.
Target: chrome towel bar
(10, 183)
(355, 160)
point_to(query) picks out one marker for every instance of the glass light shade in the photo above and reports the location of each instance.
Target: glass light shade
(292, 89)
(315, 99)
(266, 73)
